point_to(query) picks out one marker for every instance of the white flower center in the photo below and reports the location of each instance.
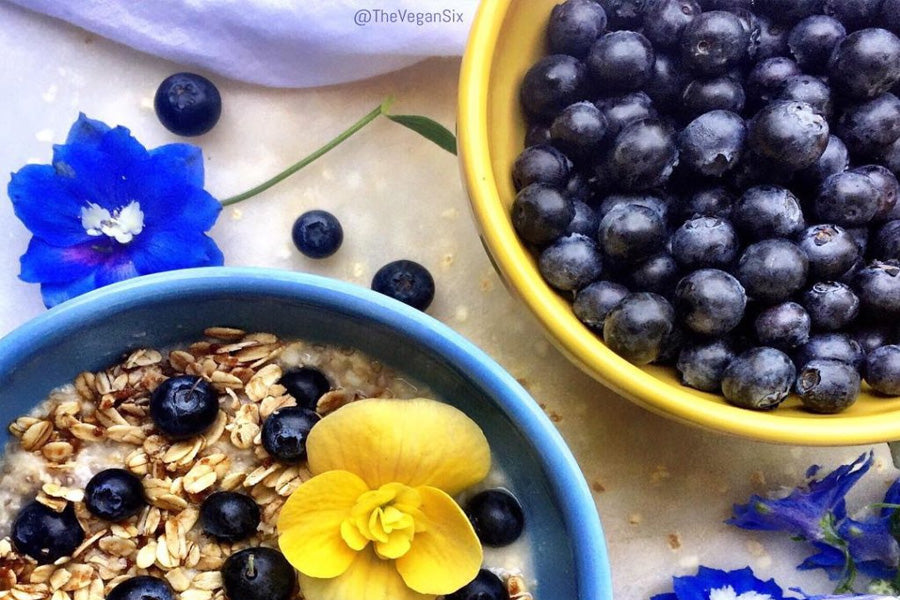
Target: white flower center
(122, 224)
(728, 593)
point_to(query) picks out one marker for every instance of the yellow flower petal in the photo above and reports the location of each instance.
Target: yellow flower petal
(309, 524)
(414, 442)
(367, 578)
(446, 555)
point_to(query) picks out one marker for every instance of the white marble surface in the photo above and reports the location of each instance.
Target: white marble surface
(662, 489)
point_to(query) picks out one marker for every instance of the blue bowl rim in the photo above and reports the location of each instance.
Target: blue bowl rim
(566, 479)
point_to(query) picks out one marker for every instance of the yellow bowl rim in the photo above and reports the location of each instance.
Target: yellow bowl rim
(516, 267)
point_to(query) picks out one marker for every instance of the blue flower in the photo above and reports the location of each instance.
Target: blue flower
(108, 209)
(810, 512)
(713, 584)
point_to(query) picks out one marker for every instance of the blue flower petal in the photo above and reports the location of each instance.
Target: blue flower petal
(55, 293)
(829, 559)
(45, 263)
(169, 204)
(117, 267)
(871, 540)
(185, 159)
(86, 131)
(668, 596)
(169, 250)
(806, 511)
(48, 205)
(699, 586)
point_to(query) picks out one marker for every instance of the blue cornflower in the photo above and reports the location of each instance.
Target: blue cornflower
(713, 584)
(108, 209)
(811, 512)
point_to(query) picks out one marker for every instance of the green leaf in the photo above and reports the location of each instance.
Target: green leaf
(429, 129)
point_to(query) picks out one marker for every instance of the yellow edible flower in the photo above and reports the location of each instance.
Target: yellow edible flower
(377, 520)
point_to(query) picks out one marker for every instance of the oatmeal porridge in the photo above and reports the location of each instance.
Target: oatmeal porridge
(102, 421)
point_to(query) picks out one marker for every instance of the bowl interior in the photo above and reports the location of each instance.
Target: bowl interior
(507, 38)
(95, 330)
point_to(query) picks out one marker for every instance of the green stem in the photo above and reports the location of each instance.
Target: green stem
(381, 109)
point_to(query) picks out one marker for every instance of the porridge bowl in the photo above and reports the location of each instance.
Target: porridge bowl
(562, 550)
(507, 38)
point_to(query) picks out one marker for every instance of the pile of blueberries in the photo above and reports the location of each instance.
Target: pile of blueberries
(185, 406)
(713, 184)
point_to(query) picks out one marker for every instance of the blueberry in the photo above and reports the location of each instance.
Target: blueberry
(887, 188)
(593, 302)
(788, 11)
(705, 242)
(882, 370)
(571, 262)
(579, 130)
(485, 586)
(714, 42)
(854, 14)
(258, 574)
(551, 84)
(114, 495)
(406, 281)
(183, 406)
(496, 516)
(648, 200)
(710, 301)
(631, 232)
(625, 14)
(637, 327)
(666, 19)
(142, 587)
(887, 241)
(772, 270)
(834, 159)
(808, 89)
(848, 199)
(831, 305)
(44, 534)
(768, 211)
(702, 363)
(187, 104)
(713, 143)
(833, 346)
(714, 201)
(657, 274)
(541, 164)
(620, 61)
(766, 78)
(306, 385)
(790, 133)
(624, 110)
(831, 250)
(869, 126)
(537, 134)
(317, 234)
(725, 4)
(890, 157)
(284, 433)
(759, 379)
(890, 15)
(812, 41)
(827, 386)
(229, 516)
(873, 335)
(751, 25)
(784, 326)
(865, 64)
(586, 221)
(580, 190)
(666, 81)
(773, 38)
(716, 93)
(878, 286)
(540, 213)
(574, 25)
(643, 155)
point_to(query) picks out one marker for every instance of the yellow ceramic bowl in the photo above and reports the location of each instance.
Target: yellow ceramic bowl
(506, 39)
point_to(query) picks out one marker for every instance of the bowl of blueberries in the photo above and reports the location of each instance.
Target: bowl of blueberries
(154, 368)
(698, 200)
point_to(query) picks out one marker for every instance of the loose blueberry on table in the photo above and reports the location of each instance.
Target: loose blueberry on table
(741, 165)
(187, 104)
(317, 234)
(406, 281)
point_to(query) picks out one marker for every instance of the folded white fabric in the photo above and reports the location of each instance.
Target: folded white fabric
(282, 43)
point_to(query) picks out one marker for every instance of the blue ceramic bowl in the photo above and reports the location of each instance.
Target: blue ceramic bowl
(95, 330)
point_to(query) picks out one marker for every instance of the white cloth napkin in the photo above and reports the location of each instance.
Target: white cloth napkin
(281, 43)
